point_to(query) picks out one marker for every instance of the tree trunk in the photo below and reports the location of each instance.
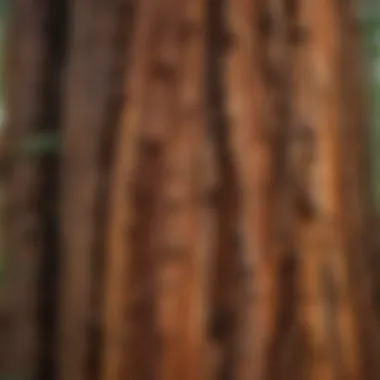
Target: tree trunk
(206, 214)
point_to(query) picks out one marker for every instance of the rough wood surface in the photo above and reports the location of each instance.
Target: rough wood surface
(181, 271)
(121, 214)
(213, 193)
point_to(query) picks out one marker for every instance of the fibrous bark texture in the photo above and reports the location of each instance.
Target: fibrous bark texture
(205, 215)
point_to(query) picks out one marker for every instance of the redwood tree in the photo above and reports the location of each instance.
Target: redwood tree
(188, 193)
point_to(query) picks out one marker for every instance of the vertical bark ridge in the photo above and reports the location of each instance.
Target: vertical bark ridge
(157, 123)
(304, 172)
(181, 276)
(121, 213)
(250, 133)
(330, 269)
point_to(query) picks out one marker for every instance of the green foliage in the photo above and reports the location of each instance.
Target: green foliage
(371, 31)
(14, 377)
(2, 267)
(4, 7)
(41, 144)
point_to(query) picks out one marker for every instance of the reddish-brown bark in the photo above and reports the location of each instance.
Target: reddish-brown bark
(214, 213)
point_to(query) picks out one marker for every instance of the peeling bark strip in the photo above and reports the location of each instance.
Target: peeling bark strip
(157, 123)
(316, 356)
(27, 59)
(326, 118)
(250, 141)
(318, 364)
(121, 211)
(327, 45)
(181, 277)
(86, 108)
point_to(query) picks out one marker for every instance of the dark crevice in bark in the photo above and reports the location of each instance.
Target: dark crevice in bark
(285, 318)
(144, 340)
(51, 124)
(25, 96)
(331, 293)
(278, 54)
(123, 15)
(225, 286)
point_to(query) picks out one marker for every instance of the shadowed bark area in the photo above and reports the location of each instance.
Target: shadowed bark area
(27, 61)
(90, 68)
